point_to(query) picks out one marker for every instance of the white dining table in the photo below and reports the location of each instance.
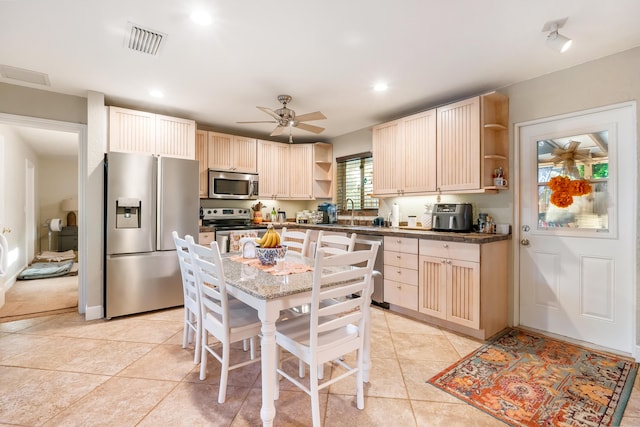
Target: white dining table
(269, 294)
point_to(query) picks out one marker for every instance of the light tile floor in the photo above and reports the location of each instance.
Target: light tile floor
(60, 370)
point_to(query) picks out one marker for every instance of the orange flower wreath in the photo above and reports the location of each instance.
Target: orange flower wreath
(563, 189)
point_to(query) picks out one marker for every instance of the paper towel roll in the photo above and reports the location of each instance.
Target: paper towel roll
(55, 224)
(395, 215)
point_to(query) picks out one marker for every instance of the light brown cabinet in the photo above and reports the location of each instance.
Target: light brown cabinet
(404, 153)
(301, 171)
(322, 170)
(231, 153)
(473, 142)
(132, 131)
(452, 149)
(202, 158)
(401, 272)
(273, 169)
(464, 284)
(291, 171)
(458, 162)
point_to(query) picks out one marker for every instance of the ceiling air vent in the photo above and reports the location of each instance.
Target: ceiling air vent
(144, 40)
(24, 75)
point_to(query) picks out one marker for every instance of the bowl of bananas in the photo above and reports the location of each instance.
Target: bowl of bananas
(270, 249)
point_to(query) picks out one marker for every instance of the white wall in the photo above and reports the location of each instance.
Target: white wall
(16, 153)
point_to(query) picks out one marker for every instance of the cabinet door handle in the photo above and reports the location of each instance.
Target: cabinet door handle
(398, 256)
(399, 272)
(449, 262)
(445, 245)
(444, 261)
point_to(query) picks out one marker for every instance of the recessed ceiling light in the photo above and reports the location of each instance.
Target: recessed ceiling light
(380, 87)
(156, 93)
(201, 17)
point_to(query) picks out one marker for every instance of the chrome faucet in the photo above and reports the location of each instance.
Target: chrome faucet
(352, 207)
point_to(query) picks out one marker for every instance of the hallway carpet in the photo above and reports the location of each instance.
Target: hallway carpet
(33, 298)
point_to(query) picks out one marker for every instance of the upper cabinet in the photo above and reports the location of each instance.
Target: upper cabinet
(473, 143)
(322, 170)
(231, 153)
(295, 171)
(141, 132)
(456, 148)
(301, 171)
(494, 133)
(273, 170)
(458, 164)
(202, 158)
(404, 153)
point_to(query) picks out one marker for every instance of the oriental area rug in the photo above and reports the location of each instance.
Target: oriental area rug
(525, 379)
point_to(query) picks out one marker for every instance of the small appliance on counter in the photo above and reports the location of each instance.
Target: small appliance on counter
(329, 213)
(452, 217)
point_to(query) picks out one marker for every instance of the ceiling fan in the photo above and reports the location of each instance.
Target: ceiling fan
(286, 118)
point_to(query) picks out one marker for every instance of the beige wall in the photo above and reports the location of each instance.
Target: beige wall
(24, 101)
(57, 180)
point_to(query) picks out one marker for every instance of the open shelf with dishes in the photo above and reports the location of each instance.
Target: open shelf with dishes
(494, 139)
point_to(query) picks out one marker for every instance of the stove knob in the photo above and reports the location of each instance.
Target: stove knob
(215, 211)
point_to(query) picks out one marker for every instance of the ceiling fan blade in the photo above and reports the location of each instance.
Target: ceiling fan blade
(261, 121)
(270, 112)
(278, 130)
(316, 115)
(309, 128)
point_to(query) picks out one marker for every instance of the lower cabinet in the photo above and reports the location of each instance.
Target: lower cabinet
(401, 272)
(464, 284)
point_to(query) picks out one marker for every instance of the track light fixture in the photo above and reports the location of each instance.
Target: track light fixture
(554, 38)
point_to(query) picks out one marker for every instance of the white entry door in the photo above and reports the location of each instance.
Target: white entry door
(577, 253)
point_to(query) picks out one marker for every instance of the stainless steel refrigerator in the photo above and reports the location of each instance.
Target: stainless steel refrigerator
(146, 198)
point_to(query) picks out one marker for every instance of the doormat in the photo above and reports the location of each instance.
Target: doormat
(524, 379)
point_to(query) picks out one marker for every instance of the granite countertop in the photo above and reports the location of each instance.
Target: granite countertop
(410, 232)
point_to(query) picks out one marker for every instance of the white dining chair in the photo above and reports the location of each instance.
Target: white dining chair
(296, 240)
(335, 244)
(192, 321)
(331, 331)
(228, 321)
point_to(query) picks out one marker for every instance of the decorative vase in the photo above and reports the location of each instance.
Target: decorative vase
(257, 217)
(425, 220)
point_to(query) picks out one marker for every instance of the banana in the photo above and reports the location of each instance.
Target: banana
(268, 240)
(259, 241)
(277, 238)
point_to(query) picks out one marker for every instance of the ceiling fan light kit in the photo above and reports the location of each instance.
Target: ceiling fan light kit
(556, 40)
(286, 118)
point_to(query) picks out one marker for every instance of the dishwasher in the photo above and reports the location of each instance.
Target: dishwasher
(363, 242)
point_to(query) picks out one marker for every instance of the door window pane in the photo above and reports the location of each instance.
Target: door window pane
(577, 158)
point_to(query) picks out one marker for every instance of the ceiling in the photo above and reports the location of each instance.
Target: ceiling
(327, 55)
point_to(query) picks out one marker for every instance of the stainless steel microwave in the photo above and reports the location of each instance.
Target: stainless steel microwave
(232, 185)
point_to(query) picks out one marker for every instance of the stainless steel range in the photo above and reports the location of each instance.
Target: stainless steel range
(224, 221)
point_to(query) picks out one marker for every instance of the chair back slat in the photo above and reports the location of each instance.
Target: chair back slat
(339, 277)
(210, 281)
(189, 285)
(334, 244)
(297, 241)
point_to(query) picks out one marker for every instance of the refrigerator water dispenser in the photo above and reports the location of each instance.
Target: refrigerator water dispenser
(128, 213)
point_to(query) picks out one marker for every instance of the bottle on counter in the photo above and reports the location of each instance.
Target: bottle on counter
(274, 214)
(426, 218)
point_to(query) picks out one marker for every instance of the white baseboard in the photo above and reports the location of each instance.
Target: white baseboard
(93, 313)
